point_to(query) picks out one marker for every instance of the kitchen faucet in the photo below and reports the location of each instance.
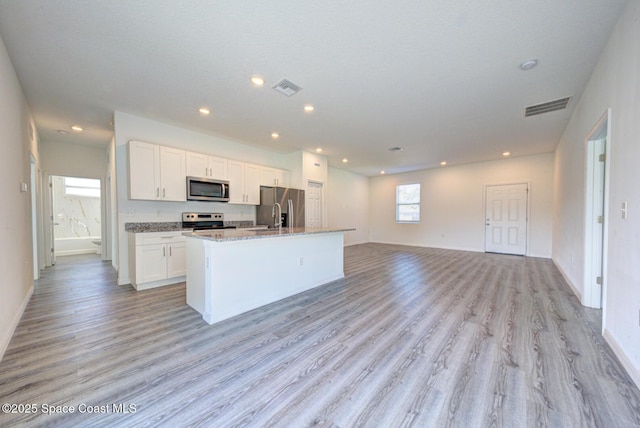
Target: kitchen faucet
(278, 220)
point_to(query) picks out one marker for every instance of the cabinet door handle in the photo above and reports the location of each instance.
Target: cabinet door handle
(157, 192)
(164, 191)
(164, 251)
(170, 251)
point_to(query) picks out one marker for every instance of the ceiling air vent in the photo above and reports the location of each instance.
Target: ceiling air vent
(287, 88)
(547, 107)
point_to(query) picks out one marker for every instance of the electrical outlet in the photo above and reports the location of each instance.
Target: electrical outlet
(131, 213)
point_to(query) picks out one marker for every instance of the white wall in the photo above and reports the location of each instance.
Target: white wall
(128, 127)
(615, 84)
(452, 204)
(348, 204)
(17, 140)
(73, 160)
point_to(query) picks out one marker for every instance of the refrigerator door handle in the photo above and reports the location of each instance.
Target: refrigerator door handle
(291, 219)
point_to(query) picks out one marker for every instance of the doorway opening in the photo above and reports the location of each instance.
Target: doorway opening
(506, 213)
(595, 220)
(76, 216)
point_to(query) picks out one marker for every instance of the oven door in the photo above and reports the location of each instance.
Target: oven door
(204, 189)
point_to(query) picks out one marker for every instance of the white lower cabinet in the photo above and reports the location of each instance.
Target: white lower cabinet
(157, 259)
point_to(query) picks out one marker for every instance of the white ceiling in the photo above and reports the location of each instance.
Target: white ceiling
(439, 78)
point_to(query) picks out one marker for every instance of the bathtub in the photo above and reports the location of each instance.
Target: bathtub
(80, 245)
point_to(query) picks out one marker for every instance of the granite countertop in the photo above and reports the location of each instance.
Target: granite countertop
(172, 226)
(225, 235)
(176, 226)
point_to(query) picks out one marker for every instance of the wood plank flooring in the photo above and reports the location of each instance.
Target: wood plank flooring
(411, 337)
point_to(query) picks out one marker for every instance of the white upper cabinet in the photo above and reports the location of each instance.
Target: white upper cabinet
(252, 183)
(201, 165)
(172, 174)
(156, 172)
(244, 183)
(273, 177)
(144, 170)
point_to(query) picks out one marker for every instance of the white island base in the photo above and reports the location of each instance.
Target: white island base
(229, 272)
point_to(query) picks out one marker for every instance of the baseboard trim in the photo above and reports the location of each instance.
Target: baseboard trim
(576, 291)
(355, 243)
(632, 370)
(412, 244)
(14, 324)
(64, 253)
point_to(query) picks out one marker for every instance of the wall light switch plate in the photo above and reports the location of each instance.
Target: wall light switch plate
(24, 188)
(623, 210)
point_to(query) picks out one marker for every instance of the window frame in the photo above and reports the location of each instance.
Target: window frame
(413, 203)
(94, 191)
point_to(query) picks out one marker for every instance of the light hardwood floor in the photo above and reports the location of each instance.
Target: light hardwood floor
(411, 337)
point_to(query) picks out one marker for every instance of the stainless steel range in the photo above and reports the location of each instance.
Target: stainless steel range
(204, 221)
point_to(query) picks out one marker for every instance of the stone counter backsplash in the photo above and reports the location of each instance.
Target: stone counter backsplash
(239, 223)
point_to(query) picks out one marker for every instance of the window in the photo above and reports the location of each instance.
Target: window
(408, 203)
(81, 187)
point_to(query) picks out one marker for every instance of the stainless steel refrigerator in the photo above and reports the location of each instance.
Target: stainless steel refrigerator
(290, 205)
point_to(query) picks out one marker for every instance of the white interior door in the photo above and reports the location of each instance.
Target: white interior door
(506, 219)
(314, 204)
(594, 223)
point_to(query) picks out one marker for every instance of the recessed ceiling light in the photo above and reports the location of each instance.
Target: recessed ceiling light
(309, 108)
(345, 160)
(396, 149)
(77, 128)
(275, 135)
(257, 81)
(204, 111)
(382, 172)
(319, 150)
(443, 163)
(506, 153)
(62, 131)
(528, 64)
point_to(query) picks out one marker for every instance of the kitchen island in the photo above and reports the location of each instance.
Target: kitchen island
(234, 271)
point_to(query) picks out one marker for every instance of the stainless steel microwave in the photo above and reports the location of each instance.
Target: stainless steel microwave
(206, 189)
